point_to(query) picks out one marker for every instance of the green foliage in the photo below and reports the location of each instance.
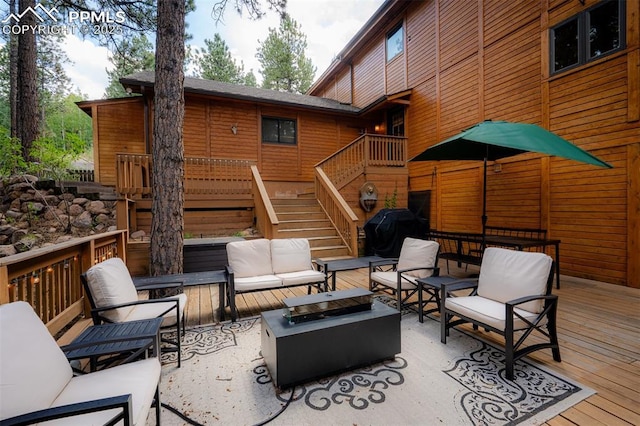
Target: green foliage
(67, 126)
(130, 56)
(215, 63)
(392, 201)
(285, 67)
(11, 161)
(52, 161)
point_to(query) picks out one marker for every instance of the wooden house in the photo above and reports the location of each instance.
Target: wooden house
(416, 73)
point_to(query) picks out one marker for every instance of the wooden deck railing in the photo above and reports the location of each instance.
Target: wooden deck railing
(368, 150)
(343, 218)
(49, 278)
(226, 178)
(265, 214)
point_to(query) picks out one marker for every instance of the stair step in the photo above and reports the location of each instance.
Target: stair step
(286, 216)
(311, 201)
(297, 208)
(329, 251)
(302, 223)
(307, 232)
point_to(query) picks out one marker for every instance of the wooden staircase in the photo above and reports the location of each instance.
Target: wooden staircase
(303, 217)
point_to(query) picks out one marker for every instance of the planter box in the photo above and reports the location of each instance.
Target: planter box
(206, 254)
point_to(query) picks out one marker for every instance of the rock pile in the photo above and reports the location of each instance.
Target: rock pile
(31, 217)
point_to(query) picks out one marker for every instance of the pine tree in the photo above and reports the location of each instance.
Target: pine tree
(285, 67)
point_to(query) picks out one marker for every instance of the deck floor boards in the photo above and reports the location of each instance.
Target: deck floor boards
(598, 327)
(599, 332)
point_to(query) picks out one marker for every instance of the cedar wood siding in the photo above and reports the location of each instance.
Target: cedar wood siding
(207, 134)
(118, 127)
(467, 61)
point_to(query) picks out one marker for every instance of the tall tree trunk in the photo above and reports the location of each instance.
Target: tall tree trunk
(167, 221)
(13, 74)
(27, 94)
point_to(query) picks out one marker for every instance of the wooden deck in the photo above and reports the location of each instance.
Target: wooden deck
(599, 331)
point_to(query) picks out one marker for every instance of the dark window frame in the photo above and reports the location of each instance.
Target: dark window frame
(389, 36)
(583, 40)
(280, 122)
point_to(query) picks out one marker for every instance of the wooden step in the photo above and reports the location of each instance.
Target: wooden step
(297, 208)
(286, 216)
(294, 201)
(304, 223)
(307, 232)
(329, 252)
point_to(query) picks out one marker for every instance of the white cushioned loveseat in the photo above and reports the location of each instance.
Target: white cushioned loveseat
(262, 264)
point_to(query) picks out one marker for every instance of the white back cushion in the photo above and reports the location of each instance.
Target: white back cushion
(290, 255)
(250, 258)
(416, 253)
(510, 274)
(110, 284)
(33, 369)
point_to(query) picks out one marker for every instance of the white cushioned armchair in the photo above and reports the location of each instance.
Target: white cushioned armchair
(114, 298)
(37, 382)
(418, 259)
(262, 264)
(512, 298)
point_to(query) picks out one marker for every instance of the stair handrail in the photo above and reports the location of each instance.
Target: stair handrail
(344, 220)
(368, 150)
(266, 217)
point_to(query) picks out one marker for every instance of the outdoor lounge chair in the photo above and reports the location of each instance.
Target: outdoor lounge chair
(513, 298)
(114, 298)
(418, 259)
(37, 383)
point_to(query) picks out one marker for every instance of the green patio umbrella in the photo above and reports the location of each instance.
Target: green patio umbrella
(492, 140)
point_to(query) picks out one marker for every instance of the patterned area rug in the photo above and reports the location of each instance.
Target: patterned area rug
(224, 380)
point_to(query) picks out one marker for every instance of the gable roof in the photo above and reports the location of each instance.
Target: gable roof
(138, 81)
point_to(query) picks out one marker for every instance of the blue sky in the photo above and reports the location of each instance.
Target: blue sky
(328, 24)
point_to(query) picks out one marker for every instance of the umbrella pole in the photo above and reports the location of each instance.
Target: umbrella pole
(484, 196)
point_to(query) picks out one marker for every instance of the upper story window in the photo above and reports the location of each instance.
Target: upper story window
(395, 42)
(588, 35)
(279, 130)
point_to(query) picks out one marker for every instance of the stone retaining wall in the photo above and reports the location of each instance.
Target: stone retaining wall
(32, 217)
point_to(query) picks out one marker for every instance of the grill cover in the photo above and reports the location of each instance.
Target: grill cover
(385, 232)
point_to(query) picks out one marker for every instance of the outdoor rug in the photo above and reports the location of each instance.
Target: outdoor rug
(224, 380)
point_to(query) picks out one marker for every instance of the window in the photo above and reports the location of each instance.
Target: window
(587, 36)
(278, 130)
(396, 122)
(395, 43)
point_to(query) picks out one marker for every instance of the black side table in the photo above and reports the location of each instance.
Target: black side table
(129, 339)
(432, 286)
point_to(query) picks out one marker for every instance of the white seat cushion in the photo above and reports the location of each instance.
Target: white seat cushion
(301, 277)
(33, 369)
(261, 282)
(510, 274)
(250, 258)
(35, 374)
(110, 284)
(390, 279)
(487, 311)
(138, 378)
(290, 255)
(415, 253)
(153, 310)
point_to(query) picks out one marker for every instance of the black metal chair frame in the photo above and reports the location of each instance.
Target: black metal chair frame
(397, 292)
(513, 348)
(122, 402)
(179, 285)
